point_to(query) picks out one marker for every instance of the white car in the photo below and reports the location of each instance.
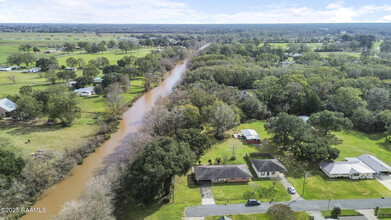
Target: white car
(291, 190)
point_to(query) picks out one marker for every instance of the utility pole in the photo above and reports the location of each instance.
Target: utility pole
(328, 208)
(305, 175)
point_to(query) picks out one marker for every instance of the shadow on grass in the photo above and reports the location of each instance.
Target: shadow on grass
(362, 135)
(135, 210)
(384, 145)
(23, 128)
(191, 182)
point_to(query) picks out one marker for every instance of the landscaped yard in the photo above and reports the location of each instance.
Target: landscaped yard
(187, 193)
(261, 216)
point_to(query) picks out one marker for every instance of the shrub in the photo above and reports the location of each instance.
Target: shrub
(336, 212)
(233, 158)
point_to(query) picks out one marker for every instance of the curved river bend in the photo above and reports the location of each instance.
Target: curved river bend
(73, 185)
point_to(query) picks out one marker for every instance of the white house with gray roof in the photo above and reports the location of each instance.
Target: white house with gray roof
(268, 168)
(362, 167)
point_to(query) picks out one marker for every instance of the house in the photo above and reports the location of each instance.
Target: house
(304, 118)
(6, 69)
(375, 164)
(7, 107)
(71, 68)
(352, 168)
(251, 136)
(267, 168)
(222, 173)
(34, 70)
(362, 167)
(88, 91)
(97, 80)
(71, 84)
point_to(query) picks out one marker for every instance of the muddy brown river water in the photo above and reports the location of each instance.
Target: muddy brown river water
(71, 187)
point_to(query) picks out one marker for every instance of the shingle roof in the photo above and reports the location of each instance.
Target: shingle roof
(374, 163)
(346, 167)
(268, 165)
(250, 134)
(7, 105)
(210, 172)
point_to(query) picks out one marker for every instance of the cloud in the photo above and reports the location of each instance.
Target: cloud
(175, 11)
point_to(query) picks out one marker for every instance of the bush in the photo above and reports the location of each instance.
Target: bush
(233, 158)
(336, 212)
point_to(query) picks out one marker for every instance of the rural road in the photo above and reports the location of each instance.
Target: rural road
(299, 205)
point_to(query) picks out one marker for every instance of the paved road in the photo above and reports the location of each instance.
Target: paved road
(299, 205)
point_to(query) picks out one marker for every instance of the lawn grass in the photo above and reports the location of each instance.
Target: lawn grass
(261, 216)
(187, 193)
(241, 192)
(344, 212)
(353, 54)
(384, 212)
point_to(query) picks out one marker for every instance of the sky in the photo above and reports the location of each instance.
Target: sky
(194, 11)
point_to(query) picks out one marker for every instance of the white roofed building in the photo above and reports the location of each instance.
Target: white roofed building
(251, 136)
(7, 107)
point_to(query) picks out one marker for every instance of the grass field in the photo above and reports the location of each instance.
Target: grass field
(261, 216)
(187, 193)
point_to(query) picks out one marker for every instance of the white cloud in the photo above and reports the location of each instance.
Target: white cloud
(174, 11)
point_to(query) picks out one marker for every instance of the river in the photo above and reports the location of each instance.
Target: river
(71, 187)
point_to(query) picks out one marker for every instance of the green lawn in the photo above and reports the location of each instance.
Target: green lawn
(344, 212)
(353, 54)
(187, 193)
(241, 192)
(261, 216)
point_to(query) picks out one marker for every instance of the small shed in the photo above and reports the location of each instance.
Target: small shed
(251, 136)
(7, 107)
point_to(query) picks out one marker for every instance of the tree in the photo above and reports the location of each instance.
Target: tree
(25, 90)
(66, 75)
(197, 141)
(378, 99)
(10, 164)
(111, 44)
(346, 100)
(287, 130)
(63, 105)
(82, 81)
(28, 108)
(364, 120)
(280, 212)
(253, 108)
(28, 59)
(223, 118)
(36, 49)
(27, 47)
(90, 71)
(51, 76)
(114, 100)
(15, 58)
(69, 47)
(45, 64)
(80, 62)
(327, 120)
(151, 174)
(71, 62)
(12, 78)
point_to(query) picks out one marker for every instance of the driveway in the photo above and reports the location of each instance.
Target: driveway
(285, 182)
(385, 180)
(299, 205)
(206, 193)
(368, 213)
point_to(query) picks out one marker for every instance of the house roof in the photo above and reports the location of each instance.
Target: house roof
(98, 79)
(82, 90)
(346, 167)
(374, 163)
(210, 172)
(250, 134)
(304, 118)
(268, 165)
(7, 105)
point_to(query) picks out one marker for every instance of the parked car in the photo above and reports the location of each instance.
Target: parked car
(291, 190)
(253, 202)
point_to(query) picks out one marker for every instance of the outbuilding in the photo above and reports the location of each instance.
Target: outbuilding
(7, 107)
(251, 136)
